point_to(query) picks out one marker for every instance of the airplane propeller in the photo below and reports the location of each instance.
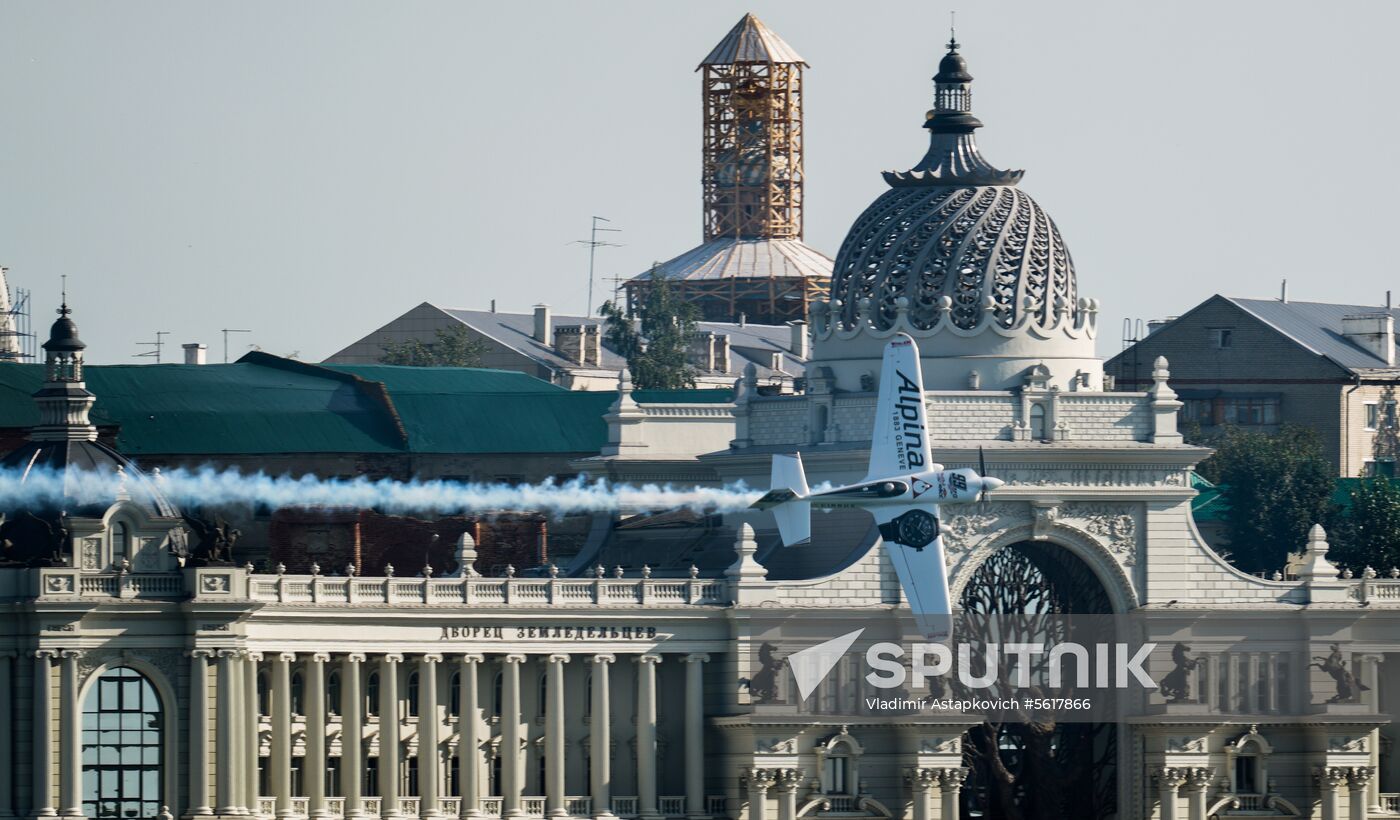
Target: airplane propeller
(982, 471)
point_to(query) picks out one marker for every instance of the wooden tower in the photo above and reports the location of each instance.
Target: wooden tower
(752, 92)
(753, 264)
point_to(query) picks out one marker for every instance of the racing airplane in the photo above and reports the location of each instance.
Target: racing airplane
(903, 490)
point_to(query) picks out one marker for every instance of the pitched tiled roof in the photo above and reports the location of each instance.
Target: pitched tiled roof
(746, 259)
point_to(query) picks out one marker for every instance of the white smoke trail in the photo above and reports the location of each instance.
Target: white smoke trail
(40, 488)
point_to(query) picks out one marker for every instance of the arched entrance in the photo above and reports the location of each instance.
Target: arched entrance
(123, 746)
(1047, 769)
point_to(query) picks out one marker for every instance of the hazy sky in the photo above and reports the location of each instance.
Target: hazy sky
(310, 170)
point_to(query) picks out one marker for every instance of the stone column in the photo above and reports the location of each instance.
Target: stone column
(43, 733)
(428, 754)
(695, 807)
(646, 738)
(1168, 781)
(922, 782)
(469, 737)
(70, 770)
(280, 759)
(787, 781)
(313, 765)
(7, 733)
(759, 782)
(1198, 782)
(252, 722)
(389, 735)
(352, 733)
(951, 783)
(512, 774)
(600, 733)
(1358, 782)
(226, 798)
(554, 738)
(199, 731)
(1329, 780)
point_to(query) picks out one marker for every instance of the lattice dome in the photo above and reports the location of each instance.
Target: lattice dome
(960, 254)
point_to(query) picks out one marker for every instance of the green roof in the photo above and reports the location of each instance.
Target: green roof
(266, 404)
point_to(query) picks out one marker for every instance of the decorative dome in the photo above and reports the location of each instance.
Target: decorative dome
(63, 335)
(956, 256)
(954, 242)
(963, 255)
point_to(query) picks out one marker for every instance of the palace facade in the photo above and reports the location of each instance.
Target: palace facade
(147, 676)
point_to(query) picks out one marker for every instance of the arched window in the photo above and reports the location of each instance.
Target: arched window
(372, 694)
(121, 542)
(123, 737)
(298, 693)
(333, 693)
(1038, 431)
(454, 698)
(264, 693)
(412, 687)
(496, 696)
(836, 770)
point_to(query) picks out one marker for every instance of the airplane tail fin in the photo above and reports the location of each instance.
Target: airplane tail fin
(788, 500)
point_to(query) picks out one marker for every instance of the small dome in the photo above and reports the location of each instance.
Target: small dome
(952, 68)
(63, 335)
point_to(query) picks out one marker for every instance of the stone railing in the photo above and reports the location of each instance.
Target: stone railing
(68, 582)
(531, 806)
(1377, 591)
(478, 591)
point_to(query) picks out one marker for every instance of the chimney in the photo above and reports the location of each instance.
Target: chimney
(493, 305)
(195, 353)
(568, 342)
(702, 350)
(593, 345)
(1283, 292)
(544, 331)
(722, 352)
(798, 343)
(1372, 332)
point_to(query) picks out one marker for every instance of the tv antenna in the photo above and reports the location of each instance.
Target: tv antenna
(594, 243)
(226, 331)
(155, 347)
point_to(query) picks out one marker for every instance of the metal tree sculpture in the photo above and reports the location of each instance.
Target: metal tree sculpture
(1033, 766)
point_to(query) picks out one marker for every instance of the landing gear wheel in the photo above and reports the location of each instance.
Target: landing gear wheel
(915, 528)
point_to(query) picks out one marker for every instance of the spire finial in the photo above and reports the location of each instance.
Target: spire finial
(952, 30)
(64, 310)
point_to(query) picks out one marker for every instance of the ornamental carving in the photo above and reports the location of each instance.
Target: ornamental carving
(1113, 524)
(91, 547)
(966, 529)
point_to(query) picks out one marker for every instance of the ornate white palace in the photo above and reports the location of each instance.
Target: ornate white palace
(141, 687)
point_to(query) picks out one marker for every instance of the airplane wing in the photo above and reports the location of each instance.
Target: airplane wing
(923, 575)
(899, 440)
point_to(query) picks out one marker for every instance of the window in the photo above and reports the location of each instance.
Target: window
(454, 777)
(411, 777)
(1381, 467)
(372, 694)
(1221, 337)
(333, 777)
(494, 787)
(541, 771)
(835, 772)
(1247, 774)
(121, 542)
(1246, 410)
(544, 697)
(413, 695)
(496, 696)
(297, 783)
(1038, 421)
(123, 731)
(333, 693)
(264, 775)
(1380, 415)
(1198, 411)
(298, 691)
(264, 695)
(454, 698)
(588, 699)
(371, 779)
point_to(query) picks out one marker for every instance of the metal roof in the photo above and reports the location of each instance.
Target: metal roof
(1317, 326)
(750, 41)
(747, 342)
(265, 404)
(746, 259)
